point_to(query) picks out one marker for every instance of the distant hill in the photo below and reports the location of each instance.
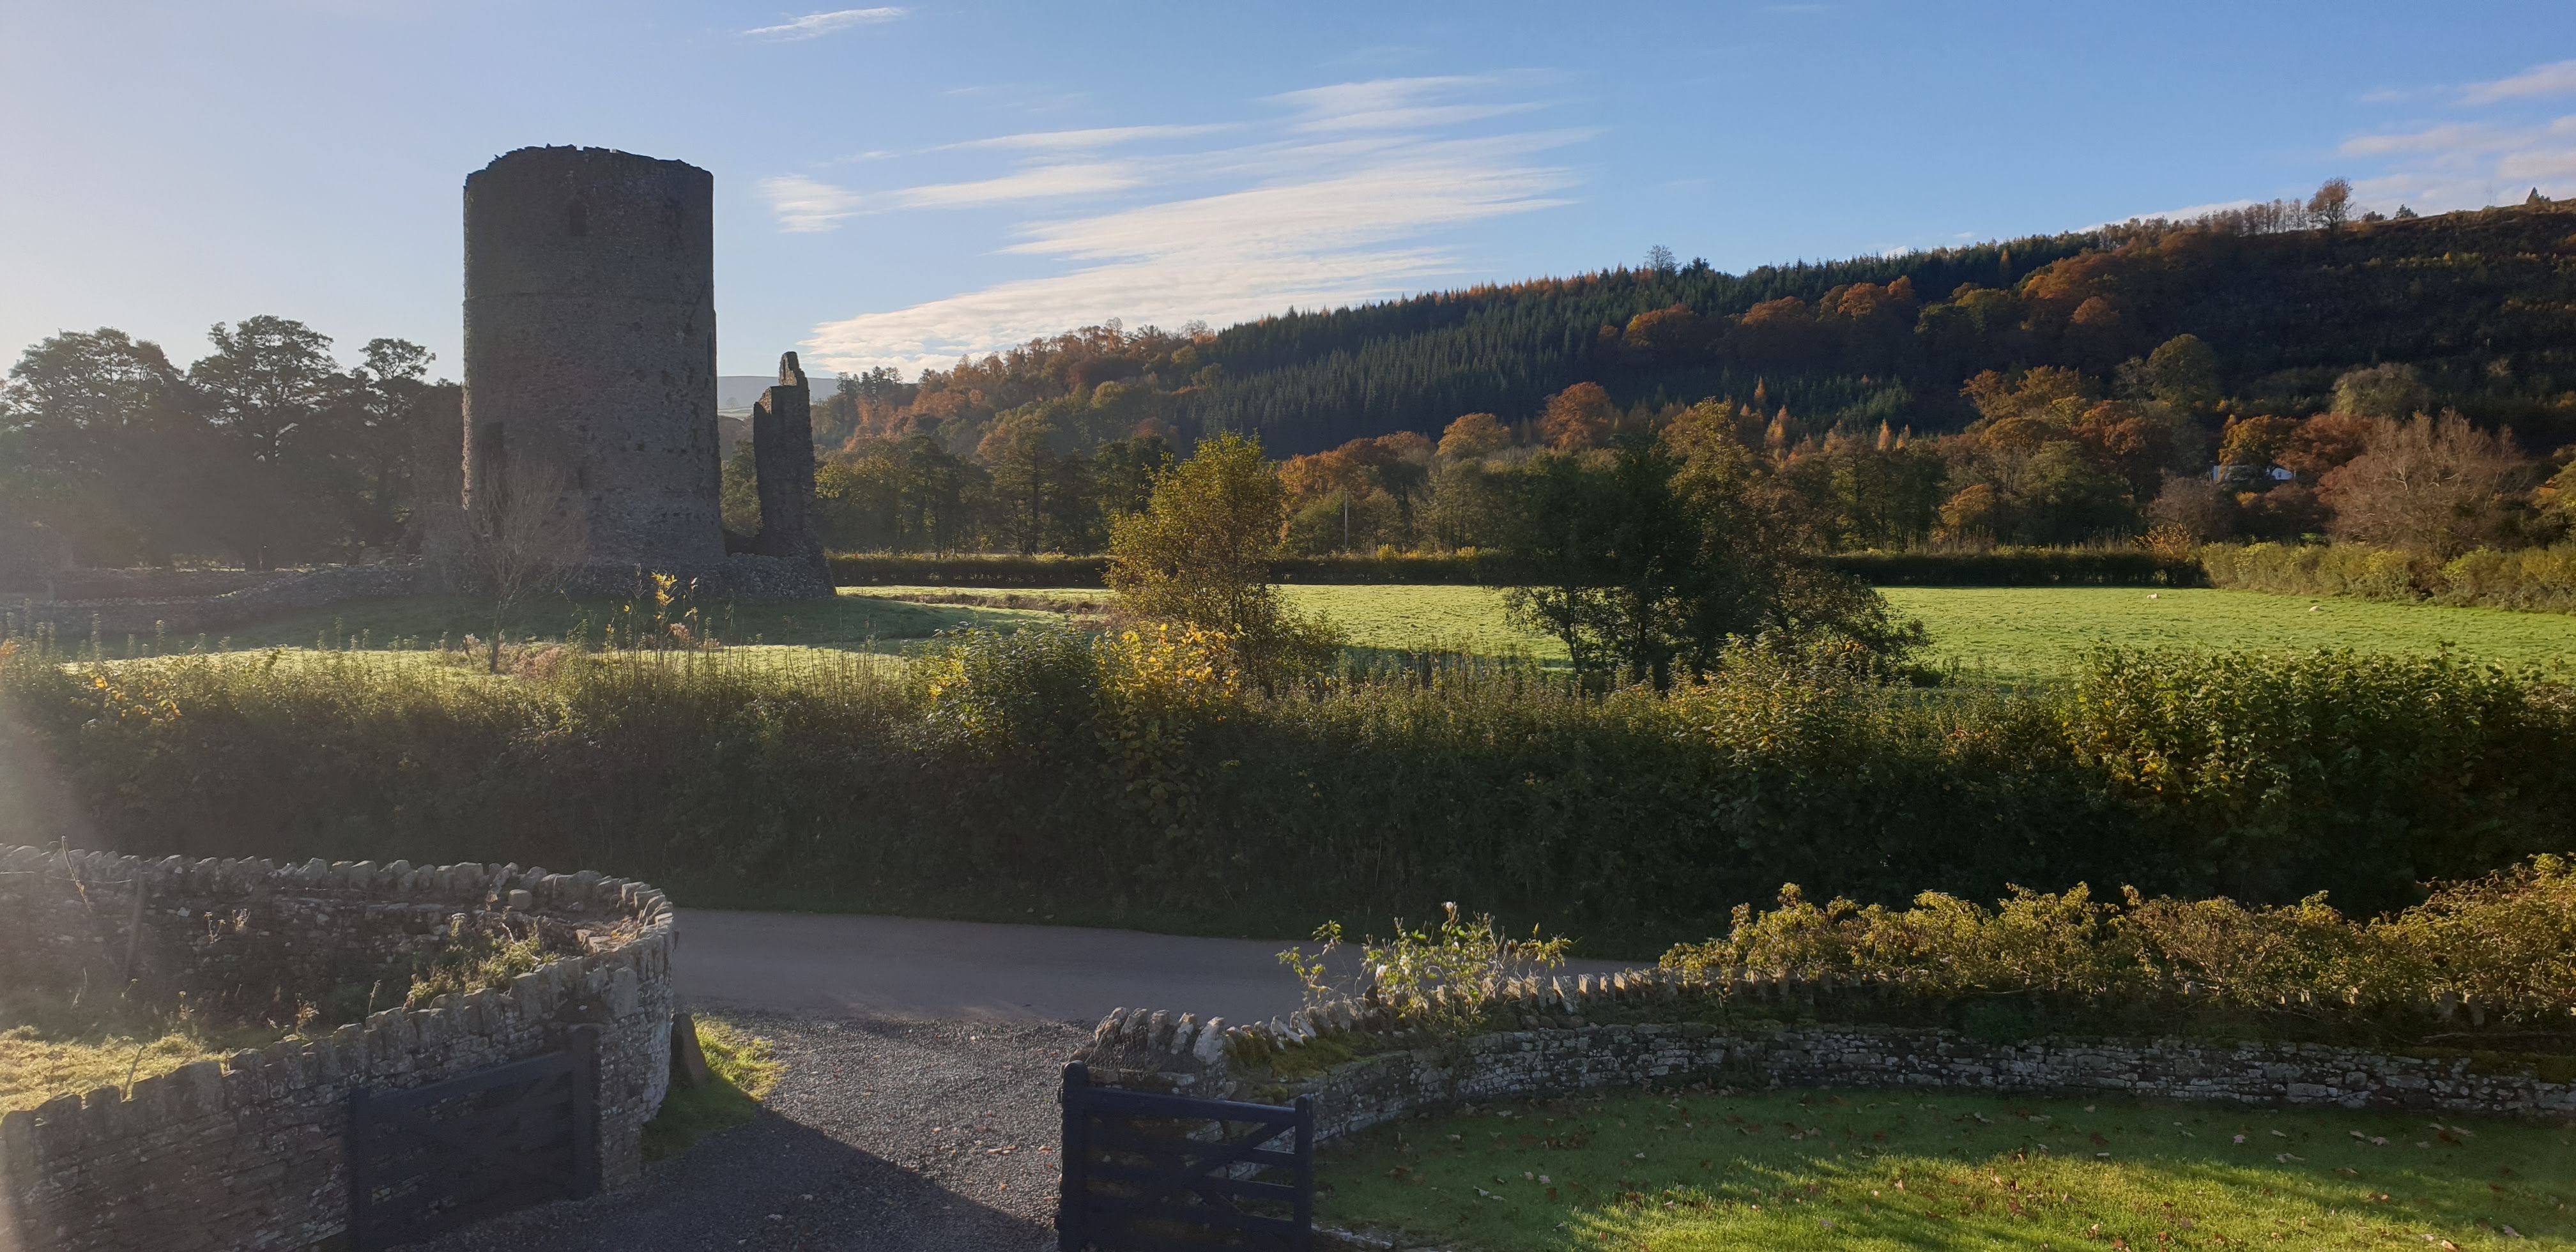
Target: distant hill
(740, 391)
(2482, 303)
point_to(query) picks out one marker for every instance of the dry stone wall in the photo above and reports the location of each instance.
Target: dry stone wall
(250, 1151)
(1564, 1046)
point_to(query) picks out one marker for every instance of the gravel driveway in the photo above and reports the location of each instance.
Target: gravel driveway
(885, 1136)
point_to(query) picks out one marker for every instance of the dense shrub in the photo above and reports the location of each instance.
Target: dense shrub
(2532, 579)
(903, 569)
(2494, 953)
(2017, 567)
(2002, 567)
(2535, 579)
(1127, 776)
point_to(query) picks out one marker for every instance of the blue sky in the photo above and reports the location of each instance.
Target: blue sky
(898, 185)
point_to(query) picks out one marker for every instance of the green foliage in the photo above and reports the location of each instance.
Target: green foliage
(840, 781)
(1651, 562)
(1697, 1169)
(2015, 567)
(481, 959)
(264, 452)
(1199, 555)
(2324, 771)
(1438, 978)
(743, 1068)
(1998, 567)
(2490, 954)
(2531, 579)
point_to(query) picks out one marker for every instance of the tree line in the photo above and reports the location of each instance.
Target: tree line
(2038, 391)
(266, 451)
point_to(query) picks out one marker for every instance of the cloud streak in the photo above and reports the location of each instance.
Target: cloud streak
(2458, 165)
(1343, 199)
(2539, 82)
(817, 25)
(1083, 140)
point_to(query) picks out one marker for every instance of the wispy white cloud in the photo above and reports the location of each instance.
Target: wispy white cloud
(2454, 137)
(1085, 140)
(1344, 201)
(2185, 213)
(817, 25)
(2540, 81)
(2456, 165)
(805, 205)
(1393, 104)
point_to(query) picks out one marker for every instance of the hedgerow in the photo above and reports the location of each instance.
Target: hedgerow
(1124, 778)
(2490, 958)
(2001, 567)
(2530, 579)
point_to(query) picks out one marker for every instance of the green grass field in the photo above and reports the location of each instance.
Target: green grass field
(1701, 1171)
(2025, 633)
(847, 622)
(2018, 632)
(2004, 634)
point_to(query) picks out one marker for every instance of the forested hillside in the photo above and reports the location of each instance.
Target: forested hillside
(2483, 303)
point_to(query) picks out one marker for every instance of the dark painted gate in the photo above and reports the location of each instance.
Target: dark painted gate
(1160, 1173)
(430, 1159)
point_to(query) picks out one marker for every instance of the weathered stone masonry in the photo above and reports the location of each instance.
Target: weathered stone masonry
(1561, 1050)
(590, 351)
(250, 1152)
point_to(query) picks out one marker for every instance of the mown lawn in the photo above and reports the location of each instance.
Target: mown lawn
(1698, 1171)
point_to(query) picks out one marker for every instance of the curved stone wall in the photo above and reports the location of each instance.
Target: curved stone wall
(250, 1151)
(1562, 1047)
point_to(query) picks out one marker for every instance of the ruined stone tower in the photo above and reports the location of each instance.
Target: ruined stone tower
(590, 350)
(782, 446)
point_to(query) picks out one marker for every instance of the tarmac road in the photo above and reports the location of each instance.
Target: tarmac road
(911, 969)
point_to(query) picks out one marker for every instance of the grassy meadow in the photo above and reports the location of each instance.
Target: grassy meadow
(2004, 633)
(2000, 634)
(1787, 1169)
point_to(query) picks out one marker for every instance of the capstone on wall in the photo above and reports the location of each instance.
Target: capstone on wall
(250, 1151)
(1561, 1047)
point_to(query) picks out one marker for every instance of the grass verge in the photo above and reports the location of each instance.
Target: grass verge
(743, 1069)
(37, 1065)
(1708, 1169)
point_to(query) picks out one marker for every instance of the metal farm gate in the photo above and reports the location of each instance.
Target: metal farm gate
(427, 1160)
(1160, 1173)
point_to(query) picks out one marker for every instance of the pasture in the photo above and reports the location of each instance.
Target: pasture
(1989, 634)
(1683, 1171)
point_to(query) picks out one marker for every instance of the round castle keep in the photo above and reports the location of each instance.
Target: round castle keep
(590, 347)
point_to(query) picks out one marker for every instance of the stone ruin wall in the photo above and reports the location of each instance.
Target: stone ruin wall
(590, 347)
(590, 350)
(250, 1151)
(1559, 1050)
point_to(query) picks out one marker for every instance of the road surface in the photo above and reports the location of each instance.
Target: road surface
(913, 969)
